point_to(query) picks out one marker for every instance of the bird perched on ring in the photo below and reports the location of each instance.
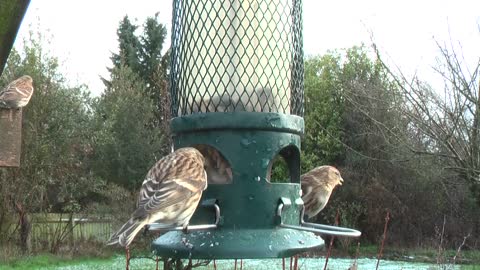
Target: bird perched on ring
(317, 186)
(169, 194)
(17, 94)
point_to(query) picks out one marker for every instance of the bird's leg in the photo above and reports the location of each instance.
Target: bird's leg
(178, 264)
(295, 263)
(167, 264)
(185, 228)
(127, 250)
(145, 229)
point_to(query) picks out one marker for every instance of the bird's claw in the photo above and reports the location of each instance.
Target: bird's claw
(146, 228)
(185, 229)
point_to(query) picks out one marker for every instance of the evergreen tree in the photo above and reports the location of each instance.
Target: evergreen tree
(129, 47)
(125, 146)
(143, 55)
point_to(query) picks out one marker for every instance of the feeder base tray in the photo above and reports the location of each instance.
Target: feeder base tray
(235, 244)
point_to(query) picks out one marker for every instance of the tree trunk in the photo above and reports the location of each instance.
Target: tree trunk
(474, 155)
(25, 229)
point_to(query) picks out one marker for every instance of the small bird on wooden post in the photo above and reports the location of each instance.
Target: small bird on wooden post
(17, 94)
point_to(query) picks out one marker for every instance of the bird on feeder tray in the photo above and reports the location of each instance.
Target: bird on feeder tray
(258, 100)
(317, 186)
(17, 94)
(169, 194)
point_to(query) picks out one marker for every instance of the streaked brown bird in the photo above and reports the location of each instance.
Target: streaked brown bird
(17, 94)
(317, 186)
(169, 194)
(217, 167)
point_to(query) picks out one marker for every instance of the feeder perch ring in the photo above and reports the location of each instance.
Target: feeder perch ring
(313, 227)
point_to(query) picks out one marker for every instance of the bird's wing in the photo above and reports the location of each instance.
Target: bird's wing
(8, 93)
(170, 192)
(16, 90)
(307, 181)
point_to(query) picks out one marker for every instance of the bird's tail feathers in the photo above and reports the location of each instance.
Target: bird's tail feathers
(127, 232)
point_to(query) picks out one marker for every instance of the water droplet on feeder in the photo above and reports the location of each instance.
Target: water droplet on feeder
(216, 243)
(270, 247)
(265, 163)
(251, 197)
(245, 142)
(258, 178)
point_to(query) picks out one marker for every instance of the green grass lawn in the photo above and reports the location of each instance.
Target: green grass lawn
(48, 261)
(96, 259)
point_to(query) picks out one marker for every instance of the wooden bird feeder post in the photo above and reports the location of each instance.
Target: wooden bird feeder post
(10, 137)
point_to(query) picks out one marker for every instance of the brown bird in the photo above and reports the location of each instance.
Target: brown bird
(217, 167)
(17, 94)
(258, 100)
(317, 186)
(169, 194)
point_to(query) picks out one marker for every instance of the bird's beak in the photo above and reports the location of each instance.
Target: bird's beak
(341, 181)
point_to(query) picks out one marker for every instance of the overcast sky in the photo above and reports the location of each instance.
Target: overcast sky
(84, 32)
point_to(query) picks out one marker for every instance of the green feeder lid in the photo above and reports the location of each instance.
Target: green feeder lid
(238, 120)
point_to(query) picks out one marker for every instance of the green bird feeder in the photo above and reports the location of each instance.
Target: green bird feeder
(237, 86)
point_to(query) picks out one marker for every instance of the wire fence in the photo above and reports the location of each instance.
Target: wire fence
(52, 227)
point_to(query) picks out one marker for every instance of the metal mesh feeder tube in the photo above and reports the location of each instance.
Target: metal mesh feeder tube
(237, 56)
